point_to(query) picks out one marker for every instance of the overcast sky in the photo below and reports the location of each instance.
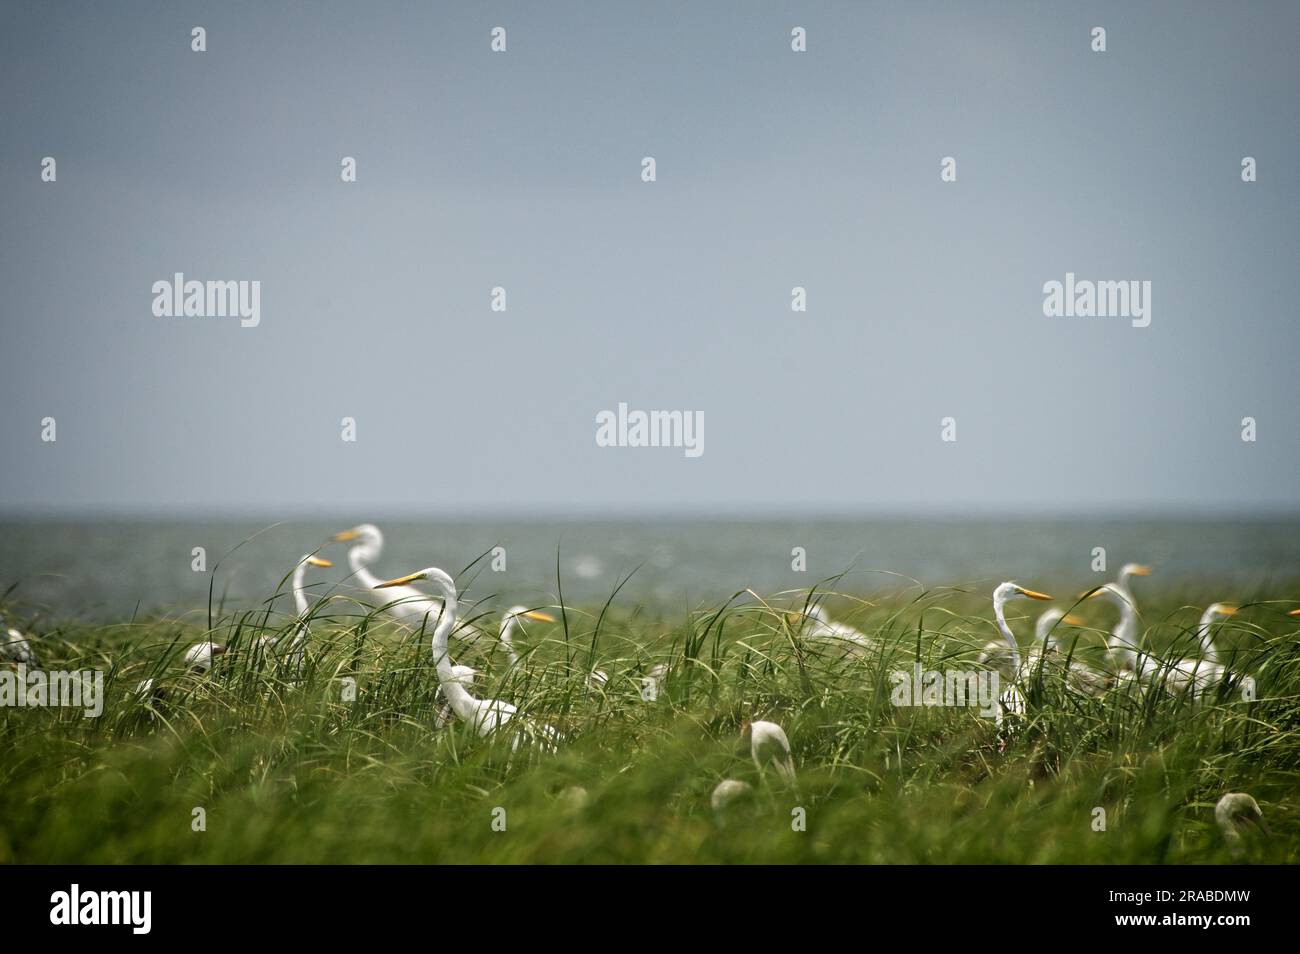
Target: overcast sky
(523, 170)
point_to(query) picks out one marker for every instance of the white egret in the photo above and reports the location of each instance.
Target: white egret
(1081, 675)
(768, 744)
(483, 715)
(17, 647)
(1004, 655)
(201, 656)
(820, 627)
(728, 791)
(1121, 647)
(1199, 676)
(574, 798)
(597, 679)
(465, 675)
(1235, 814)
(510, 623)
(1005, 658)
(405, 603)
(297, 643)
(654, 681)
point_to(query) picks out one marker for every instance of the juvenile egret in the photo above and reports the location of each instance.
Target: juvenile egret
(768, 744)
(510, 623)
(1237, 813)
(405, 603)
(728, 791)
(16, 647)
(483, 715)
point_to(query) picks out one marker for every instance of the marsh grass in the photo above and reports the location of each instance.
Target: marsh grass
(287, 771)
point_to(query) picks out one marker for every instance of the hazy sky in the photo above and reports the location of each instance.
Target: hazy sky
(522, 170)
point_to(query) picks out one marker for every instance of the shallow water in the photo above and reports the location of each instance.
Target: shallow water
(112, 569)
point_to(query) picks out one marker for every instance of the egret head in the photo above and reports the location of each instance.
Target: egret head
(364, 537)
(431, 573)
(1220, 610)
(1051, 618)
(1014, 591)
(1134, 569)
(523, 612)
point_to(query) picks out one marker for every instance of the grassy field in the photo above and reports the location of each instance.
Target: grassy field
(286, 770)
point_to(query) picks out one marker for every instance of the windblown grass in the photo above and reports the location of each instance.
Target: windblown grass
(289, 772)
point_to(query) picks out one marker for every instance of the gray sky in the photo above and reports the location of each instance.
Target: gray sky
(775, 169)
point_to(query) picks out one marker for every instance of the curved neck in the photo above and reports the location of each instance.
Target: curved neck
(1124, 641)
(508, 625)
(1043, 629)
(299, 597)
(462, 703)
(357, 560)
(1206, 638)
(1010, 637)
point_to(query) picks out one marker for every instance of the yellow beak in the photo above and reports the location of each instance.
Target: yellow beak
(344, 537)
(400, 581)
(317, 561)
(1069, 619)
(1227, 611)
(1294, 612)
(539, 616)
(1034, 594)
(1141, 571)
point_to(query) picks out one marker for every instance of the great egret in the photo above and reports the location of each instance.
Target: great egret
(728, 791)
(16, 647)
(1081, 675)
(510, 623)
(1004, 656)
(201, 656)
(465, 675)
(769, 745)
(406, 603)
(1200, 675)
(1235, 814)
(297, 642)
(1124, 648)
(1121, 647)
(820, 627)
(483, 715)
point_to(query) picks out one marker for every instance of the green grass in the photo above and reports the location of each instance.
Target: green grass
(288, 772)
